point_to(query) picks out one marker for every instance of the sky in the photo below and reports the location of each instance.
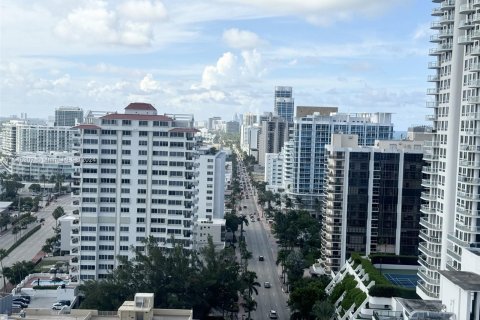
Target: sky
(215, 57)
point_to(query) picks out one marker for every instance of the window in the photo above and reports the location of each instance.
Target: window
(125, 210)
(142, 152)
(142, 181)
(126, 142)
(125, 171)
(141, 200)
(126, 133)
(125, 181)
(143, 133)
(141, 171)
(140, 220)
(142, 142)
(126, 161)
(140, 229)
(123, 238)
(143, 123)
(126, 123)
(124, 228)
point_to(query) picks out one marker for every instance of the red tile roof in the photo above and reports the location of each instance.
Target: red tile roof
(87, 126)
(140, 106)
(123, 116)
(183, 130)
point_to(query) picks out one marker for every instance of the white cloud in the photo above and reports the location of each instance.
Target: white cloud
(231, 70)
(241, 39)
(321, 12)
(97, 23)
(148, 84)
(143, 10)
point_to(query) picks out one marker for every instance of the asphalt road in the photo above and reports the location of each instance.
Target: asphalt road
(261, 243)
(30, 247)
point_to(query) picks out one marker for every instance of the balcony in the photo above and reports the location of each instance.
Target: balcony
(433, 65)
(472, 116)
(475, 51)
(424, 235)
(437, 12)
(422, 273)
(447, 19)
(435, 227)
(474, 67)
(469, 180)
(428, 183)
(424, 208)
(430, 157)
(465, 24)
(457, 241)
(425, 262)
(436, 25)
(428, 252)
(465, 40)
(443, 34)
(467, 147)
(428, 196)
(466, 8)
(476, 3)
(470, 229)
(476, 18)
(469, 164)
(449, 4)
(433, 91)
(427, 291)
(434, 38)
(433, 78)
(429, 170)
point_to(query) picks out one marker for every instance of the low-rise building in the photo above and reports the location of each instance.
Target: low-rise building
(205, 228)
(32, 166)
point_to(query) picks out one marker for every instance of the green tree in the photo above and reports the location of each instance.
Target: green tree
(3, 255)
(231, 222)
(18, 271)
(242, 220)
(5, 219)
(57, 213)
(295, 266)
(249, 304)
(35, 187)
(323, 310)
(305, 294)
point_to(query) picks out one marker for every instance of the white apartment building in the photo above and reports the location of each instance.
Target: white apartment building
(273, 135)
(136, 179)
(205, 228)
(210, 171)
(32, 165)
(372, 199)
(305, 158)
(68, 116)
(274, 172)
(20, 136)
(451, 209)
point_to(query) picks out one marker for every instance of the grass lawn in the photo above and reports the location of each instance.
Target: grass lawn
(45, 265)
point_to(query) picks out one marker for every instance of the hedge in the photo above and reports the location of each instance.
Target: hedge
(23, 238)
(356, 296)
(382, 287)
(46, 287)
(348, 283)
(392, 259)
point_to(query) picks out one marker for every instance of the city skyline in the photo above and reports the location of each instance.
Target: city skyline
(220, 56)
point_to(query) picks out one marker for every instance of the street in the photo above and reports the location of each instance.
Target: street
(30, 247)
(261, 242)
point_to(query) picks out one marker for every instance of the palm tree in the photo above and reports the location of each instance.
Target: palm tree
(57, 213)
(288, 202)
(323, 310)
(299, 202)
(3, 255)
(250, 282)
(242, 219)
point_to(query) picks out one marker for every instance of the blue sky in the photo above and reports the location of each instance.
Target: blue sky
(215, 57)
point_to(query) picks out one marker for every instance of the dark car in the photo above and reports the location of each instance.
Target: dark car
(261, 258)
(64, 302)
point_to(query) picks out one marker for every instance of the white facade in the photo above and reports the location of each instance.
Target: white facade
(31, 166)
(210, 168)
(452, 208)
(274, 171)
(20, 136)
(306, 150)
(204, 228)
(136, 179)
(68, 116)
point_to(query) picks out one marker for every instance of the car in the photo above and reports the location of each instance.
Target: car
(258, 219)
(57, 306)
(65, 302)
(20, 303)
(244, 207)
(273, 314)
(42, 220)
(267, 284)
(20, 300)
(261, 258)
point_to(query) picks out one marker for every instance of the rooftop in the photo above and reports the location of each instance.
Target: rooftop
(123, 116)
(86, 126)
(466, 280)
(412, 305)
(140, 106)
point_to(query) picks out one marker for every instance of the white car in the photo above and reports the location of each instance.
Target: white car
(57, 306)
(273, 314)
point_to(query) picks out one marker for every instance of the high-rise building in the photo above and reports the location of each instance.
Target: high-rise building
(136, 179)
(68, 116)
(20, 136)
(452, 202)
(284, 103)
(232, 127)
(274, 171)
(273, 134)
(372, 199)
(306, 153)
(212, 123)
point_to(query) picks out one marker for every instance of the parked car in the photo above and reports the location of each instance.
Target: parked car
(20, 303)
(267, 284)
(21, 300)
(57, 306)
(261, 258)
(65, 302)
(273, 314)
(42, 220)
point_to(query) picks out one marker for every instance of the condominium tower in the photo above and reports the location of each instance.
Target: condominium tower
(136, 179)
(372, 202)
(451, 209)
(305, 156)
(284, 103)
(68, 116)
